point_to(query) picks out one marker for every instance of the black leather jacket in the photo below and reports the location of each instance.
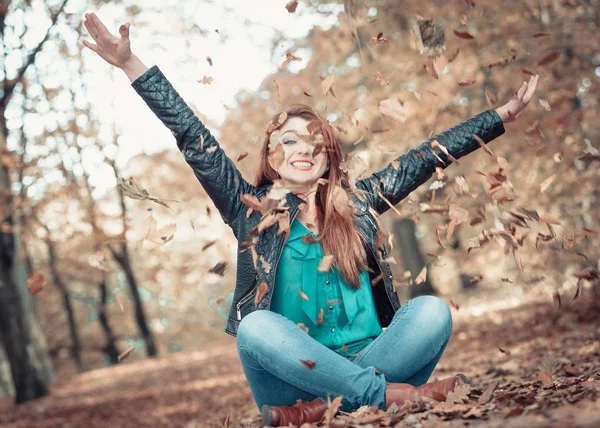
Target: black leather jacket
(224, 184)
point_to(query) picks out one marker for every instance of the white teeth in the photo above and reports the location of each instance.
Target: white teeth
(302, 164)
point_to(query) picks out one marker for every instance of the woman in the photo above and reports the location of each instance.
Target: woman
(313, 288)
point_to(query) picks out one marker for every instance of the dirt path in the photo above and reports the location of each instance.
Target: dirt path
(548, 375)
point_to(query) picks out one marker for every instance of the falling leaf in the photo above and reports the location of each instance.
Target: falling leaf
(422, 276)
(326, 263)
(303, 327)
(98, 261)
(36, 283)
(321, 317)
(463, 34)
(262, 290)
(503, 62)
(219, 268)
(332, 408)
(308, 364)
(206, 80)
(556, 299)
(381, 79)
(155, 237)
(209, 59)
(548, 58)
(546, 183)
(276, 157)
(454, 304)
(302, 295)
(464, 19)
(289, 57)
(393, 108)
(435, 145)
(514, 412)
(226, 421)
(379, 39)
(251, 201)
(482, 144)
(544, 104)
(505, 352)
(134, 190)
(209, 244)
(291, 6)
(327, 85)
(242, 156)
(125, 353)
(435, 66)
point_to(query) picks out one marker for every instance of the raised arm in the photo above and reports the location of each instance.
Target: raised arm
(395, 181)
(217, 173)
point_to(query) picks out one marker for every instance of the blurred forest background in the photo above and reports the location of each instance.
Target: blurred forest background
(93, 270)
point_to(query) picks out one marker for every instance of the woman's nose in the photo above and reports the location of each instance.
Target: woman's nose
(304, 147)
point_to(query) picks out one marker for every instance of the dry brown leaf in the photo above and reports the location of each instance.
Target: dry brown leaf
(155, 237)
(206, 80)
(209, 244)
(291, 6)
(422, 276)
(454, 304)
(546, 183)
(326, 263)
(289, 57)
(262, 290)
(35, 283)
(302, 295)
(463, 35)
(209, 59)
(487, 394)
(125, 353)
(308, 364)
(548, 58)
(251, 201)
(132, 188)
(332, 408)
(327, 85)
(321, 317)
(393, 108)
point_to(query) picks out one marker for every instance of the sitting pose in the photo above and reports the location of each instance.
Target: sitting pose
(313, 289)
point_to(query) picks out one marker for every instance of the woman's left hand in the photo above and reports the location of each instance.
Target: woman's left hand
(513, 109)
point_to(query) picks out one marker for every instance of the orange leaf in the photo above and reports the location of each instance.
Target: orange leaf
(463, 34)
(326, 263)
(125, 353)
(291, 6)
(308, 364)
(36, 283)
(262, 289)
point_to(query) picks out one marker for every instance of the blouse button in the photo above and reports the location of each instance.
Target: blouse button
(331, 307)
(333, 330)
(328, 282)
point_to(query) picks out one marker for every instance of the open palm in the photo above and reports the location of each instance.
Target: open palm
(513, 109)
(114, 50)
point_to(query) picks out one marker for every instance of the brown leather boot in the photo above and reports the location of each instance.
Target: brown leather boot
(298, 414)
(400, 392)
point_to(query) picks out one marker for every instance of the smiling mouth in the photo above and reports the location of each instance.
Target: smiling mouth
(303, 166)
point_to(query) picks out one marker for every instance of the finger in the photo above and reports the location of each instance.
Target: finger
(88, 26)
(99, 25)
(531, 89)
(124, 30)
(90, 45)
(522, 91)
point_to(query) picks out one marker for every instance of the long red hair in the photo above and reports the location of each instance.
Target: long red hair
(337, 230)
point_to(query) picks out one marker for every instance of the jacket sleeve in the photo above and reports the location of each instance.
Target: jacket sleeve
(418, 164)
(217, 174)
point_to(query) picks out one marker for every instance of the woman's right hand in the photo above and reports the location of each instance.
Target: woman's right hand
(114, 50)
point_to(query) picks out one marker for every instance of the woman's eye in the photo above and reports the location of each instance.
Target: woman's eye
(289, 142)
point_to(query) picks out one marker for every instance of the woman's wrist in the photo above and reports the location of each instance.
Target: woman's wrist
(134, 68)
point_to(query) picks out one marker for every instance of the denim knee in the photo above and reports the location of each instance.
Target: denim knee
(435, 315)
(252, 327)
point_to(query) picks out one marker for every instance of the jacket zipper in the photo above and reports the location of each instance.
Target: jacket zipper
(245, 299)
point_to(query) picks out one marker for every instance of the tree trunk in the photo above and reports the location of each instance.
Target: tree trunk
(412, 256)
(27, 378)
(75, 349)
(111, 350)
(123, 259)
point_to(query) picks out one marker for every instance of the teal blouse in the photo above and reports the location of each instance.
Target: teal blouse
(340, 318)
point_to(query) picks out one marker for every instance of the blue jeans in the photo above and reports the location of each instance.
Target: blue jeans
(271, 347)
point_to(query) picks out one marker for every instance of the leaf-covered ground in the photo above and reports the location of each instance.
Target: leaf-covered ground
(530, 365)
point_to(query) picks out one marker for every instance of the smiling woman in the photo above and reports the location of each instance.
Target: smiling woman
(305, 226)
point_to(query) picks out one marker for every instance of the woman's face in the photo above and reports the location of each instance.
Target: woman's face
(299, 167)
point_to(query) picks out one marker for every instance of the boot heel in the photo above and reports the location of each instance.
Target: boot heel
(267, 415)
